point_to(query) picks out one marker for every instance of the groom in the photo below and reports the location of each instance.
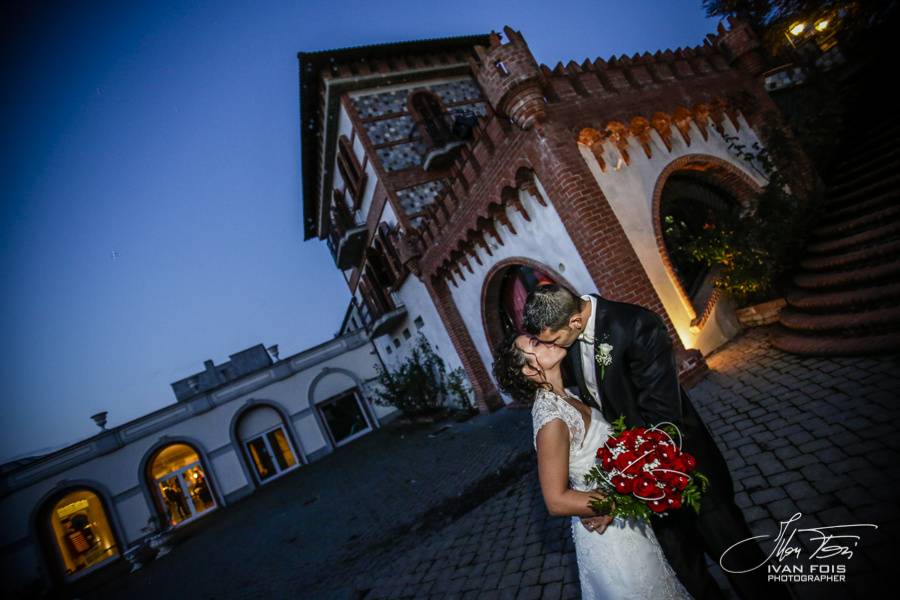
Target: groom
(622, 361)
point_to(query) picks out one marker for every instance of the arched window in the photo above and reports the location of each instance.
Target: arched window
(430, 118)
(81, 535)
(177, 476)
(266, 443)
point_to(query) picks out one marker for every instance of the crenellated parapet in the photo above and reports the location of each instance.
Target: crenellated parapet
(466, 218)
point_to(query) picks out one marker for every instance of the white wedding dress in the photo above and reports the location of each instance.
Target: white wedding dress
(625, 561)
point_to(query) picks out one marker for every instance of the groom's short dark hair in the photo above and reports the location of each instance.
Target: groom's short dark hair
(549, 306)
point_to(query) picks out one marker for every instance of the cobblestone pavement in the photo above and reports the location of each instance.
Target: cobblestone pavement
(809, 435)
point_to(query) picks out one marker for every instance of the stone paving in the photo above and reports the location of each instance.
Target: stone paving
(814, 435)
(285, 535)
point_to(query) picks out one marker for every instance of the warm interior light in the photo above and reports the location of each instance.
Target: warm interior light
(821, 25)
(797, 28)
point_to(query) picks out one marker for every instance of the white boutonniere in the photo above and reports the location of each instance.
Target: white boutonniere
(603, 355)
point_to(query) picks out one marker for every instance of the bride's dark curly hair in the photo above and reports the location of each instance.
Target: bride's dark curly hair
(508, 362)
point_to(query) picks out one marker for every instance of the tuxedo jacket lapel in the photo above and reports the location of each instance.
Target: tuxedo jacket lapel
(607, 406)
(574, 358)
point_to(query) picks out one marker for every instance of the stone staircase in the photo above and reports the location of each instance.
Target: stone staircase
(846, 291)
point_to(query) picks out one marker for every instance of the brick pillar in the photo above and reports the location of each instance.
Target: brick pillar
(591, 223)
(486, 395)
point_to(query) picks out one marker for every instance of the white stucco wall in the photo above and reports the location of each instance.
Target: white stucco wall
(117, 475)
(629, 190)
(543, 239)
(414, 295)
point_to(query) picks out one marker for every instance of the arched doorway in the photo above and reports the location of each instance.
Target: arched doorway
(266, 444)
(691, 209)
(78, 533)
(182, 489)
(505, 291)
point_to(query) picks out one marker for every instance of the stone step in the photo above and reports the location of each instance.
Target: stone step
(842, 175)
(851, 210)
(854, 239)
(863, 192)
(876, 318)
(854, 138)
(838, 279)
(859, 136)
(886, 166)
(876, 252)
(866, 221)
(862, 154)
(828, 345)
(863, 296)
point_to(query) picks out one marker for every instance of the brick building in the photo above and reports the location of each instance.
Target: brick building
(450, 176)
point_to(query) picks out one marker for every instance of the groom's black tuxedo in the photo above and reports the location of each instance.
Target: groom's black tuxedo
(642, 384)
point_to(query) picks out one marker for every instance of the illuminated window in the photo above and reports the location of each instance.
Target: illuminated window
(81, 532)
(271, 453)
(180, 483)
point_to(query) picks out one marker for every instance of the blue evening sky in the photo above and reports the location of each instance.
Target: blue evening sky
(151, 183)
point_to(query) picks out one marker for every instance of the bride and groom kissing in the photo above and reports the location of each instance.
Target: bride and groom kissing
(618, 359)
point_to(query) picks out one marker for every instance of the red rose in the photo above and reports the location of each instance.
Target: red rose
(623, 460)
(606, 462)
(674, 501)
(647, 446)
(645, 487)
(658, 506)
(656, 435)
(665, 452)
(689, 461)
(623, 485)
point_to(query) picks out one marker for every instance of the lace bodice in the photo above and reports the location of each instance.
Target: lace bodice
(583, 443)
(626, 561)
(548, 406)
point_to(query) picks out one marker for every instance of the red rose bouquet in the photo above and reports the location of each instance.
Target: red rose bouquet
(643, 471)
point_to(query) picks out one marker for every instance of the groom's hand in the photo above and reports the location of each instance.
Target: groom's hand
(597, 524)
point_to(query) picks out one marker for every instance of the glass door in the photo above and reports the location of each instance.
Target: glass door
(185, 494)
(271, 453)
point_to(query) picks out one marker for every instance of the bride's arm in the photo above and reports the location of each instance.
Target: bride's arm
(553, 472)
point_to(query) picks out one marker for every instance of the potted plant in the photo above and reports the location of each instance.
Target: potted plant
(161, 536)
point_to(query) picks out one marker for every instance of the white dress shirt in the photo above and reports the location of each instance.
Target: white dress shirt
(587, 352)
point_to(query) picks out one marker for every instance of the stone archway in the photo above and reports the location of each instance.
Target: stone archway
(504, 291)
(693, 194)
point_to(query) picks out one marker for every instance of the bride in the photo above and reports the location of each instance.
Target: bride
(617, 558)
